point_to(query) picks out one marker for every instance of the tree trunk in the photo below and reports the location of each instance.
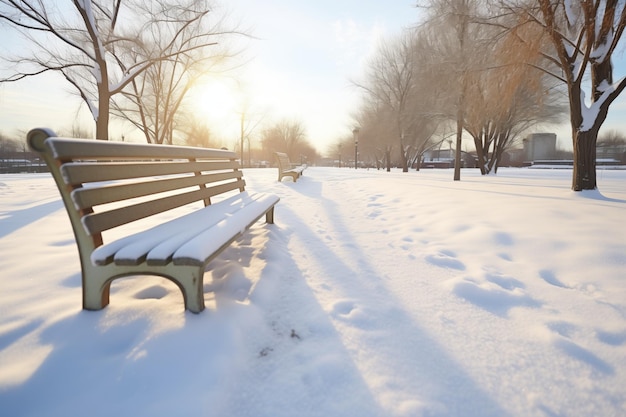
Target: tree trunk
(457, 153)
(388, 158)
(459, 131)
(418, 160)
(404, 158)
(102, 127)
(584, 175)
(501, 146)
(102, 118)
(583, 142)
(480, 155)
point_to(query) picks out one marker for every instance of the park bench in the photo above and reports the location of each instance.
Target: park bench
(108, 188)
(286, 168)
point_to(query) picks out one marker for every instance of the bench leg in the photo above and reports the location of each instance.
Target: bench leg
(97, 284)
(96, 287)
(269, 216)
(294, 176)
(190, 281)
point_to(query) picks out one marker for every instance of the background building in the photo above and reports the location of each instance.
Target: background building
(540, 146)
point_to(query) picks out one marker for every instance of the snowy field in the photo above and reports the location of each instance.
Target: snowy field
(374, 294)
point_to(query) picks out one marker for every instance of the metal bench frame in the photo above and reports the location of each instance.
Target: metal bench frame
(286, 168)
(105, 185)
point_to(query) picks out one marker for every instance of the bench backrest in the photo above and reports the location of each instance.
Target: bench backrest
(108, 184)
(283, 161)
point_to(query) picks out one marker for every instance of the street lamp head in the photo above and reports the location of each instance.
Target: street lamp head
(355, 132)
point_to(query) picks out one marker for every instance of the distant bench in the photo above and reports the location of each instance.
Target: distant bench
(105, 185)
(286, 168)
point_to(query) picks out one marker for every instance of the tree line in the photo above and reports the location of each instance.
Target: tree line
(489, 69)
(137, 61)
(492, 70)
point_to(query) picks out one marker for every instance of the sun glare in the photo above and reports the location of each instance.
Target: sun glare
(214, 101)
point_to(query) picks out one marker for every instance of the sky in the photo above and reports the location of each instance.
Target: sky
(373, 294)
(299, 67)
(309, 53)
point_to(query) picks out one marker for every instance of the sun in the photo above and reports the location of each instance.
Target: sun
(214, 101)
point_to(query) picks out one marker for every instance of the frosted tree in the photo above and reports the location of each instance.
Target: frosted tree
(580, 38)
(80, 39)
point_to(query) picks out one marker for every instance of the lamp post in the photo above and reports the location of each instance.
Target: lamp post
(355, 132)
(339, 155)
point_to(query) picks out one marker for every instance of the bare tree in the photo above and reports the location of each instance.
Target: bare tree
(376, 134)
(580, 38)
(289, 137)
(250, 118)
(8, 145)
(454, 33)
(397, 88)
(485, 82)
(155, 96)
(612, 138)
(504, 98)
(198, 134)
(79, 41)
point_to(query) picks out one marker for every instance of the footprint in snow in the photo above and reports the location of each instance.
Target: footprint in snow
(563, 328)
(505, 256)
(446, 259)
(549, 277)
(581, 354)
(612, 338)
(563, 335)
(503, 239)
(343, 308)
(505, 282)
(493, 295)
(350, 313)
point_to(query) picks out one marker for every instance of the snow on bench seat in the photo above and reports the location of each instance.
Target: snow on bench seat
(191, 239)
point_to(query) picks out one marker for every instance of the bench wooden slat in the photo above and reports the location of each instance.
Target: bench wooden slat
(99, 222)
(157, 245)
(93, 196)
(65, 149)
(202, 248)
(81, 172)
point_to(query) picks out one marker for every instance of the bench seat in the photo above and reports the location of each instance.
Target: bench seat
(192, 239)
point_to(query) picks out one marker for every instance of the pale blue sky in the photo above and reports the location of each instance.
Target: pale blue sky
(299, 68)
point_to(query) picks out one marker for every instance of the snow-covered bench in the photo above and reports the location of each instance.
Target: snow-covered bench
(110, 187)
(286, 168)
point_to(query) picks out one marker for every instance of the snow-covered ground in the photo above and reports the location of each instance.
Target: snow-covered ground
(374, 294)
